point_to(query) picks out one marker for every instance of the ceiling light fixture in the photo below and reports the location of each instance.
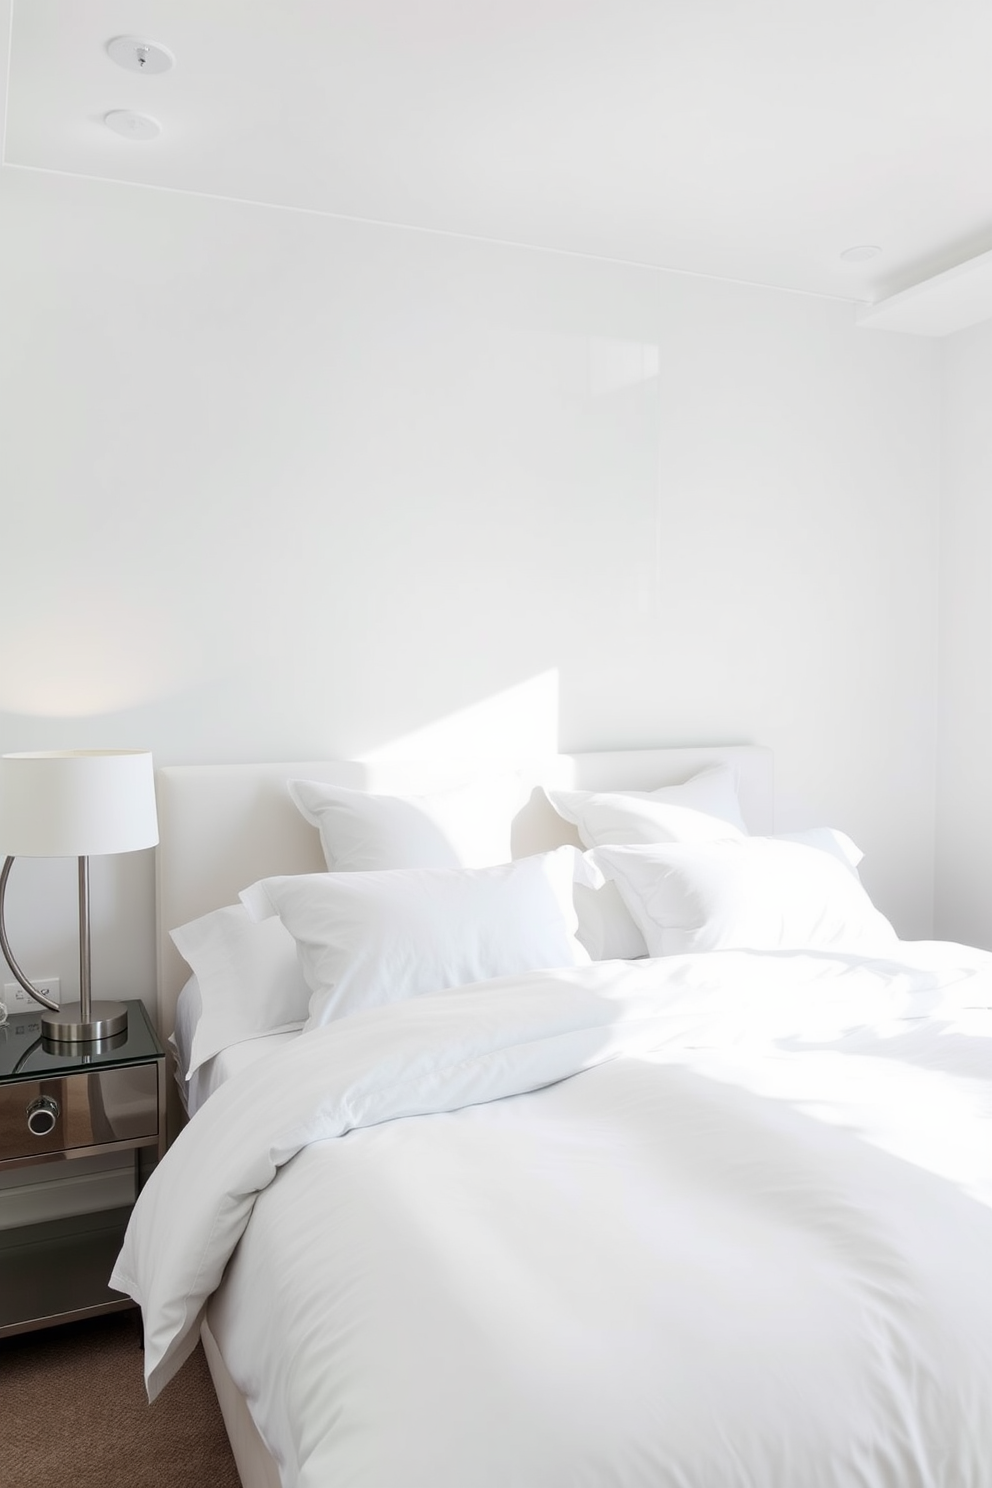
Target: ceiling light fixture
(861, 253)
(140, 56)
(132, 126)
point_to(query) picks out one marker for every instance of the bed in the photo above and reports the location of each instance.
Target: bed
(688, 1211)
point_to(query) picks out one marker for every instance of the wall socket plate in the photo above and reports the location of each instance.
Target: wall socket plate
(16, 1000)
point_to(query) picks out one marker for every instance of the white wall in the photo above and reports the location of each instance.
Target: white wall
(963, 908)
(280, 486)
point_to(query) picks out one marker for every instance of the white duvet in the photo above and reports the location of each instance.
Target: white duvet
(705, 1221)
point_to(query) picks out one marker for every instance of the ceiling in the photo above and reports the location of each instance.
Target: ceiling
(750, 139)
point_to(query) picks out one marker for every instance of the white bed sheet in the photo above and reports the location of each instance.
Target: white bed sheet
(213, 1073)
(717, 1220)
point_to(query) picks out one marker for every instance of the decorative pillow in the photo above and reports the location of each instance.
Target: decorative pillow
(754, 893)
(360, 831)
(249, 979)
(377, 937)
(702, 809)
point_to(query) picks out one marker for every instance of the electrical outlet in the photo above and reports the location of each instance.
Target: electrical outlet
(17, 1000)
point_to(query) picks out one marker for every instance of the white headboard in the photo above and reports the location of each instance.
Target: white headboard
(224, 826)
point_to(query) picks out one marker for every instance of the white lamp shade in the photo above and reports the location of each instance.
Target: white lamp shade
(77, 803)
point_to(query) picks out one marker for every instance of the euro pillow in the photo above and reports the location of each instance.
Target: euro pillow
(468, 827)
(249, 979)
(703, 808)
(370, 938)
(755, 893)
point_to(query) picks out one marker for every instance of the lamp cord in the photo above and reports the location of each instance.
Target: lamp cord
(46, 1002)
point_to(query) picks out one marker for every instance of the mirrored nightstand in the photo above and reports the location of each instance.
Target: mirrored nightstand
(60, 1105)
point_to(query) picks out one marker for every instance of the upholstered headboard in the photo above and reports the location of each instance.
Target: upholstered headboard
(224, 826)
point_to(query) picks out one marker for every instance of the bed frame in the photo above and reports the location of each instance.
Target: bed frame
(224, 826)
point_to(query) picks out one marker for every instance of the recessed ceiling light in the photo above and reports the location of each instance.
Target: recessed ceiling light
(861, 253)
(132, 126)
(140, 56)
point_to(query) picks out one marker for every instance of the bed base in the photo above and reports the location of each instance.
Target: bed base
(256, 1465)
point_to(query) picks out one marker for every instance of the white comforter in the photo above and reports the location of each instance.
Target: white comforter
(715, 1220)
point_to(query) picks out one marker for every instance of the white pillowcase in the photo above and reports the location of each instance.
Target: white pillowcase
(702, 809)
(754, 893)
(468, 827)
(827, 839)
(609, 932)
(189, 1011)
(606, 928)
(249, 979)
(370, 938)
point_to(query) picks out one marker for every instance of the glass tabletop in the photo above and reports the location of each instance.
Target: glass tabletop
(24, 1055)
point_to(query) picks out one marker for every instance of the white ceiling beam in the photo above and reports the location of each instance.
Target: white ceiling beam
(948, 302)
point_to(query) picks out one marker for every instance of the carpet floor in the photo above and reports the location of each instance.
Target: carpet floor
(73, 1411)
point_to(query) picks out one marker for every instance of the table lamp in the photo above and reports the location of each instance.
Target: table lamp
(74, 804)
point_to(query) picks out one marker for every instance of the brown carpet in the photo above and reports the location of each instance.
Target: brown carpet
(73, 1411)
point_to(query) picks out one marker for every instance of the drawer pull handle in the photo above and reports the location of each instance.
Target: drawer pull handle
(43, 1112)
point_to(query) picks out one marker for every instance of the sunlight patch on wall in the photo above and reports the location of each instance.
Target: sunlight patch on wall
(518, 723)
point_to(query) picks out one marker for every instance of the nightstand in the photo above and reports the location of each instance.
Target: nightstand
(60, 1106)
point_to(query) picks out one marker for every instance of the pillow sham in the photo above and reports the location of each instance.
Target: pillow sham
(703, 808)
(468, 827)
(375, 937)
(249, 979)
(755, 893)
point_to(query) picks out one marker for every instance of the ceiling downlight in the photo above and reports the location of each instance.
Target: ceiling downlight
(861, 253)
(132, 126)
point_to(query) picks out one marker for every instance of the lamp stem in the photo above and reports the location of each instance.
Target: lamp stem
(84, 941)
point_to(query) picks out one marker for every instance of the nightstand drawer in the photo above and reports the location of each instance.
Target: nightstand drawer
(96, 1109)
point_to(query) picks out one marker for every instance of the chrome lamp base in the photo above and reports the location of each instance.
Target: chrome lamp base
(72, 1024)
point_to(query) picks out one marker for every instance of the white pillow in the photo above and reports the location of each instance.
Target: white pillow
(755, 893)
(468, 827)
(249, 979)
(606, 927)
(376, 937)
(608, 930)
(702, 809)
(827, 839)
(189, 1011)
